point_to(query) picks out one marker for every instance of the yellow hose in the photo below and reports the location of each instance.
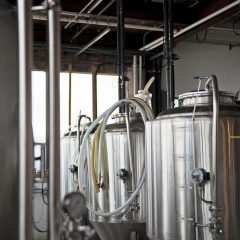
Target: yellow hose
(94, 176)
(149, 83)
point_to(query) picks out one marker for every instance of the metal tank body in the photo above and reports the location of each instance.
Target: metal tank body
(68, 180)
(175, 146)
(9, 108)
(127, 224)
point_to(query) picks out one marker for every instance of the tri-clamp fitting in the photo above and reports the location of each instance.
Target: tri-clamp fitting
(134, 207)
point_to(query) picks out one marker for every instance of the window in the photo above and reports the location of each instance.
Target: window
(107, 94)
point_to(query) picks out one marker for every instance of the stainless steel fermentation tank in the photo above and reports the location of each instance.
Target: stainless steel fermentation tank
(118, 185)
(177, 143)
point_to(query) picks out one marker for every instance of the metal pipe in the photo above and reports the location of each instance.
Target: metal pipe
(102, 34)
(79, 14)
(54, 116)
(82, 29)
(70, 95)
(135, 77)
(43, 162)
(130, 148)
(122, 52)
(171, 55)
(166, 50)
(94, 6)
(42, 17)
(140, 73)
(25, 120)
(214, 176)
(159, 42)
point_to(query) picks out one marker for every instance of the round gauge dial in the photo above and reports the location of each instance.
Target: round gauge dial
(197, 175)
(74, 204)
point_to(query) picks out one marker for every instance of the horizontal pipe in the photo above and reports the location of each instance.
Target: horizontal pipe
(159, 42)
(79, 13)
(95, 16)
(94, 50)
(94, 40)
(100, 23)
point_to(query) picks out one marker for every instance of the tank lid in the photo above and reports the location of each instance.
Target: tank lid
(205, 97)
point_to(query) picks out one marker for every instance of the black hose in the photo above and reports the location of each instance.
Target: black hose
(234, 27)
(204, 38)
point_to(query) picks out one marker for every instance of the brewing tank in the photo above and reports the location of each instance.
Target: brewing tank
(181, 175)
(119, 181)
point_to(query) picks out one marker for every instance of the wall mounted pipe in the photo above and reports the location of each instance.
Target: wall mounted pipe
(25, 120)
(54, 116)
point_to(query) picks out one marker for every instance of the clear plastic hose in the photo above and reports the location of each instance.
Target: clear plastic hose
(145, 110)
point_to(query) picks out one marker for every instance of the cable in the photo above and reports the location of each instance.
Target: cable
(204, 38)
(36, 228)
(43, 196)
(234, 27)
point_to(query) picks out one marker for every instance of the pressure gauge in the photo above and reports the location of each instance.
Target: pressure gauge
(199, 175)
(74, 204)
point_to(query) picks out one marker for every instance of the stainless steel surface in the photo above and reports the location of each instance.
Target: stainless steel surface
(120, 231)
(54, 116)
(68, 180)
(205, 97)
(116, 191)
(25, 120)
(9, 124)
(171, 147)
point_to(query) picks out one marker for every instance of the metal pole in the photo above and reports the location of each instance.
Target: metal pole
(70, 95)
(25, 120)
(212, 79)
(171, 55)
(121, 54)
(166, 49)
(140, 73)
(54, 106)
(135, 77)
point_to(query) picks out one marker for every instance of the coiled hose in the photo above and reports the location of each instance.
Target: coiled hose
(146, 114)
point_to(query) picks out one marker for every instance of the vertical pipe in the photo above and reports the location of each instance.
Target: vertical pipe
(118, 51)
(94, 91)
(171, 56)
(121, 54)
(135, 76)
(159, 74)
(25, 120)
(70, 96)
(54, 117)
(42, 162)
(140, 73)
(166, 50)
(214, 177)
